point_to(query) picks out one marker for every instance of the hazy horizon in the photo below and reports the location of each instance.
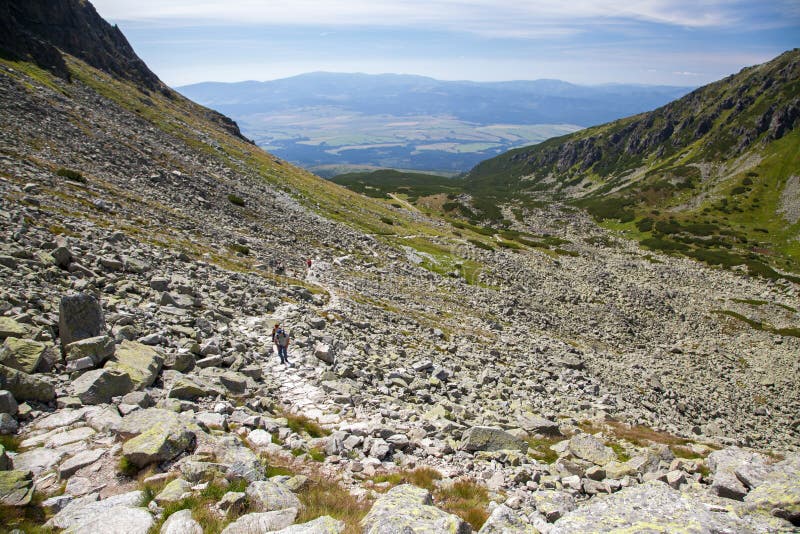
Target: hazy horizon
(653, 42)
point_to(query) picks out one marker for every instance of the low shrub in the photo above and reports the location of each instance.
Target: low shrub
(69, 174)
(480, 244)
(236, 200)
(387, 220)
(240, 249)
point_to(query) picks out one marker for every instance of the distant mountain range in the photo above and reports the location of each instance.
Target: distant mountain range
(414, 122)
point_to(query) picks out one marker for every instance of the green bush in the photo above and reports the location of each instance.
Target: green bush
(387, 220)
(241, 249)
(509, 244)
(645, 225)
(237, 200)
(480, 244)
(69, 174)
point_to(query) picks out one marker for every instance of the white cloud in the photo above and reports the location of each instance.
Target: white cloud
(514, 18)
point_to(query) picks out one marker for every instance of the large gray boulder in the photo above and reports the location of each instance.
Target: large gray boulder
(487, 438)
(79, 317)
(725, 462)
(267, 495)
(22, 354)
(648, 507)
(100, 385)
(181, 522)
(193, 387)
(140, 362)
(25, 387)
(262, 522)
(159, 443)
(588, 447)
(407, 508)
(504, 520)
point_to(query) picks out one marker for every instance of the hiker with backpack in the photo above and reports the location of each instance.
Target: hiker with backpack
(281, 339)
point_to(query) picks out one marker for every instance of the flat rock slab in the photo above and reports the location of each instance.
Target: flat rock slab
(256, 523)
(649, 507)
(487, 438)
(78, 462)
(16, 488)
(37, 460)
(11, 328)
(88, 514)
(504, 520)
(407, 508)
(321, 525)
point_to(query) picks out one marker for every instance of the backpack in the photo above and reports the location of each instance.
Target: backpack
(281, 337)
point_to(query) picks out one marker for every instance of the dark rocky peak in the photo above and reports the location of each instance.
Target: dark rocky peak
(40, 30)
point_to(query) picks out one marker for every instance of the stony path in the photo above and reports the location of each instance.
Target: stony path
(316, 275)
(296, 387)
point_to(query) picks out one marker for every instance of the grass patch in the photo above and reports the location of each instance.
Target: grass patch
(640, 435)
(540, 448)
(126, 468)
(300, 424)
(757, 325)
(619, 450)
(687, 453)
(70, 174)
(423, 477)
(10, 443)
(321, 496)
(467, 499)
(239, 249)
(480, 244)
(236, 200)
(387, 220)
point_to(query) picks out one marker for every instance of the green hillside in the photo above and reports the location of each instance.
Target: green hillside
(379, 184)
(713, 175)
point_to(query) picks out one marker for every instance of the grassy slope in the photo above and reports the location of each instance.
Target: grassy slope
(707, 159)
(379, 184)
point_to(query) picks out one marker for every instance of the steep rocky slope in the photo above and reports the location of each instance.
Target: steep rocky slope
(720, 161)
(146, 252)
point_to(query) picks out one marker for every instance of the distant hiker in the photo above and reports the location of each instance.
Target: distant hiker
(275, 328)
(282, 342)
(308, 263)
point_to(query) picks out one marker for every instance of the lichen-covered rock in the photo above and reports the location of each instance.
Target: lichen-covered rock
(101, 385)
(11, 328)
(589, 448)
(16, 488)
(259, 522)
(724, 463)
(779, 493)
(175, 491)
(141, 420)
(407, 508)
(98, 349)
(181, 522)
(649, 507)
(79, 317)
(8, 404)
(504, 520)
(159, 443)
(140, 362)
(191, 388)
(267, 495)
(79, 461)
(240, 462)
(321, 525)
(487, 438)
(24, 386)
(22, 354)
(553, 504)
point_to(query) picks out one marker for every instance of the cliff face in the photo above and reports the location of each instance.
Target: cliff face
(38, 30)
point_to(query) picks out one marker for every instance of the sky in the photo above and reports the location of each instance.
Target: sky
(670, 42)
